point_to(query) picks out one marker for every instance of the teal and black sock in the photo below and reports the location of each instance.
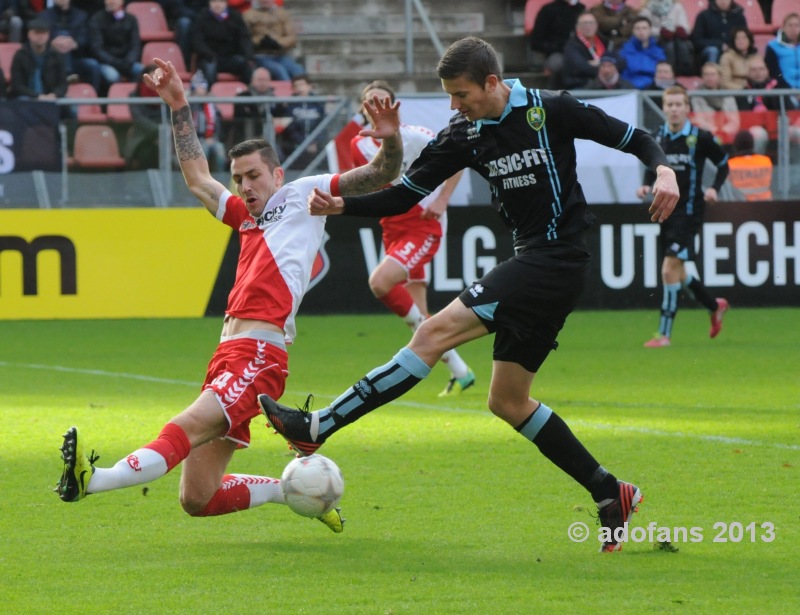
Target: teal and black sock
(377, 388)
(556, 441)
(669, 308)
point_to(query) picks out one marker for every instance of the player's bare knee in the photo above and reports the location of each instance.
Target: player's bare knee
(193, 504)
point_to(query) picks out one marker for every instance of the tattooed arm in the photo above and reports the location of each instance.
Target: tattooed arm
(194, 166)
(386, 164)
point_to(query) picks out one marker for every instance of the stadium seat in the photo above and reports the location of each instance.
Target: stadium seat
(119, 113)
(167, 51)
(755, 17)
(226, 89)
(761, 41)
(780, 9)
(532, 8)
(87, 114)
(693, 7)
(152, 21)
(96, 148)
(282, 88)
(7, 51)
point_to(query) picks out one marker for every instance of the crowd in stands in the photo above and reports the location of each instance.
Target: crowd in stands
(652, 44)
(48, 45)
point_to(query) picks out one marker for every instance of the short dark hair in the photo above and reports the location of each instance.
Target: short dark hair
(470, 57)
(751, 48)
(265, 150)
(743, 141)
(643, 18)
(378, 84)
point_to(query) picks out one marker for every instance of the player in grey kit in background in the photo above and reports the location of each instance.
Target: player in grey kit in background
(522, 142)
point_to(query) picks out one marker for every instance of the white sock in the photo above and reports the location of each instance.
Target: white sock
(263, 489)
(455, 364)
(414, 318)
(141, 466)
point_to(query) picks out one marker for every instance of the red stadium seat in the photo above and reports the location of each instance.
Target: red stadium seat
(152, 21)
(87, 114)
(690, 82)
(693, 7)
(780, 9)
(7, 51)
(532, 8)
(167, 51)
(226, 89)
(96, 148)
(119, 113)
(755, 17)
(282, 88)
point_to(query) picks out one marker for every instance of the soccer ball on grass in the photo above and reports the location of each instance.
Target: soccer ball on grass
(312, 485)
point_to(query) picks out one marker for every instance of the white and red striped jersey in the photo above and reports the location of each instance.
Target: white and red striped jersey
(277, 251)
(415, 138)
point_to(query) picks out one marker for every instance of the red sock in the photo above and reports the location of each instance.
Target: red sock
(232, 496)
(172, 444)
(398, 300)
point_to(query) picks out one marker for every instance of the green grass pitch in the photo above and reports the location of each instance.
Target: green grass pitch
(449, 511)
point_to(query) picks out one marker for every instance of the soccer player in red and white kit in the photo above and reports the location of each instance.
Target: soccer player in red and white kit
(410, 240)
(279, 241)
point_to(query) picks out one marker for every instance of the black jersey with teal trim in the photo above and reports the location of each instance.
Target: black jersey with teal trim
(527, 156)
(687, 151)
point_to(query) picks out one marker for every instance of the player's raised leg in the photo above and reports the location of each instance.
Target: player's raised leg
(306, 431)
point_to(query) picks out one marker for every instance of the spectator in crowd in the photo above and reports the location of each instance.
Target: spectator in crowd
(114, 42)
(304, 117)
(733, 61)
(750, 173)
(274, 39)
(671, 26)
(758, 78)
(37, 70)
(554, 24)
(222, 42)
(582, 53)
(11, 22)
(69, 31)
(180, 16)
(249, 118)
(713, 28)
(615, 21)
(90, 7)
(782, 56)
(608, 77)
(141, 145)
(208, 123)
(717, 114)
(641, 54)
(664, 78)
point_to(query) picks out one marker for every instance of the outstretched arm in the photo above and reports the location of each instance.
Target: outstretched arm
(194, 166)
(386, 164)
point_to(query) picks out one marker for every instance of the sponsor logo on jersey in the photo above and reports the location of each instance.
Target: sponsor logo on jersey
(270, 216)
(475, 290)
(691, 141)
(512, 163)
(472, 133)
(535, 118)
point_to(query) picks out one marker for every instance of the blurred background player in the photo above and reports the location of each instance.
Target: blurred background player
(411, 240)
(279, 242)
(687, 148)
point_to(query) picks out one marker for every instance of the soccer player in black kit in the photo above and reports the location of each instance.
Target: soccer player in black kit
(687, 148)
(522, 142)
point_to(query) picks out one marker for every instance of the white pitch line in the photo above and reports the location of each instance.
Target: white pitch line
(422, 406)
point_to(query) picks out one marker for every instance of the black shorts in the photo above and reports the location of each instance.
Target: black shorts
(525, 300)
(677, 236)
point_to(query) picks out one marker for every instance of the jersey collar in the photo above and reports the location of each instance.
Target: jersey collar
(517, 98)
(683, 132)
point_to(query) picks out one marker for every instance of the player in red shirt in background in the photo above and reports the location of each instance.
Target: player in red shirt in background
(410, 240)
(279, 241)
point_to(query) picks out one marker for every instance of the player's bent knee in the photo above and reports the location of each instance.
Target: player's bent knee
(193, 505)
